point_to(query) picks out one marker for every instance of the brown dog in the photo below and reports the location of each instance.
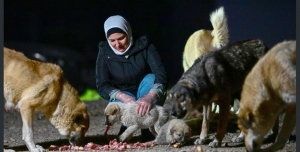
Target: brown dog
(31, 86)
(216, 76)
(269, 90)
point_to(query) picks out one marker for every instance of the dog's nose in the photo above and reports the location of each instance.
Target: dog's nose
(106, 122)
(76, 139)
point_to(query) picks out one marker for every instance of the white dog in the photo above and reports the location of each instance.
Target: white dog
(127, 114)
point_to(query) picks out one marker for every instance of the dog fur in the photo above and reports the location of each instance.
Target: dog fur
(127, 114)
(32, 86)
(203, 41)
(174, 131)
(269, 90)
(216, 76)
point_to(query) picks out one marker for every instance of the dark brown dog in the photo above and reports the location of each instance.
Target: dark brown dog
(269, 90)
(215, 77)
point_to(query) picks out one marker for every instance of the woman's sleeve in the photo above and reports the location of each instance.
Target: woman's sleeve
(103, 83)
(158, 69)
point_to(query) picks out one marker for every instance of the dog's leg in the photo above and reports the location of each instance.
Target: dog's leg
(272, 137)
(240, 138)
(205, 125)
(289, 123)
(188, 115)
(213, 111)
(152, 130)
(27, 119)
(128, 133)
(169, 137)
(222, 124)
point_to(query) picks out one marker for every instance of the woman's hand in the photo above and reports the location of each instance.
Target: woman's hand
(145, 103)
(125, 98)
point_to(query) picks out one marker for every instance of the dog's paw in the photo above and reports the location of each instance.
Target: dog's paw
(237, 139)
(38, 148)
(201, 141)
(214, 144)
(171, 139)
(122, 138)
(9, 150)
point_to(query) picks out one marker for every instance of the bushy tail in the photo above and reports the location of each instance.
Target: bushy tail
(220, 31)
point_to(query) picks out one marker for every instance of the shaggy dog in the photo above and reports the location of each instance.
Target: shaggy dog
(174, 131)
(269, 90)
(216, 76)
(31, 86)
(127, 114)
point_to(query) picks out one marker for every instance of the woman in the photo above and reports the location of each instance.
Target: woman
(129, 69)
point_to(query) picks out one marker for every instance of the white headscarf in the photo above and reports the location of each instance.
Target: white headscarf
(118, 21)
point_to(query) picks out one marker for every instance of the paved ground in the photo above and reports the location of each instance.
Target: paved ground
(45, 134)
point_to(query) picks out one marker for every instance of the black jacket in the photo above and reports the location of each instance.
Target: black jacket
(118, 72)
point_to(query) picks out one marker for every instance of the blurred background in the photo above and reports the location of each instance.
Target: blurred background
(68, 32)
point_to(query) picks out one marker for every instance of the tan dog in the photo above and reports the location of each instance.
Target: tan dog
(127, 114)
(174, 131)
(203, 41)
(268, 91)
(31, 86)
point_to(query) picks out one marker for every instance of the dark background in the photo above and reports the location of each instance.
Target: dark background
(78, 25)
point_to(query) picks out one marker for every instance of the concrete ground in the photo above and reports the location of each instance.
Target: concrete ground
(45, 134)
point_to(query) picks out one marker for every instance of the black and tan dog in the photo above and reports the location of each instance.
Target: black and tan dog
(31, 86)
(215, 77)
(269, 90)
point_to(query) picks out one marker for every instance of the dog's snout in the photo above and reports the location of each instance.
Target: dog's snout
(179, 134)
(106, 122)
(76, 139)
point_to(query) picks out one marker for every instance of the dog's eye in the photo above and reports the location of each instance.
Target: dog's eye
(77, 118)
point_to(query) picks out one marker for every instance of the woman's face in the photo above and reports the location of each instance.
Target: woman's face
(118, 41)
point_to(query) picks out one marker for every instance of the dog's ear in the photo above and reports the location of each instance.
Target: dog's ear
(115, 111)
(171, 131)
(246, 121)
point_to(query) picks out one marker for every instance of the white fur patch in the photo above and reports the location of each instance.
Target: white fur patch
(288, 98)
(9, 106)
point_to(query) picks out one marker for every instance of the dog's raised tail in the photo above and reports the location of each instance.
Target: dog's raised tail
(220, 31)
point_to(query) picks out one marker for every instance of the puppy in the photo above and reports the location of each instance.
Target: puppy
(174, 131)
(216, 76)
(31, 86)
(269, 90)
(127, 114)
